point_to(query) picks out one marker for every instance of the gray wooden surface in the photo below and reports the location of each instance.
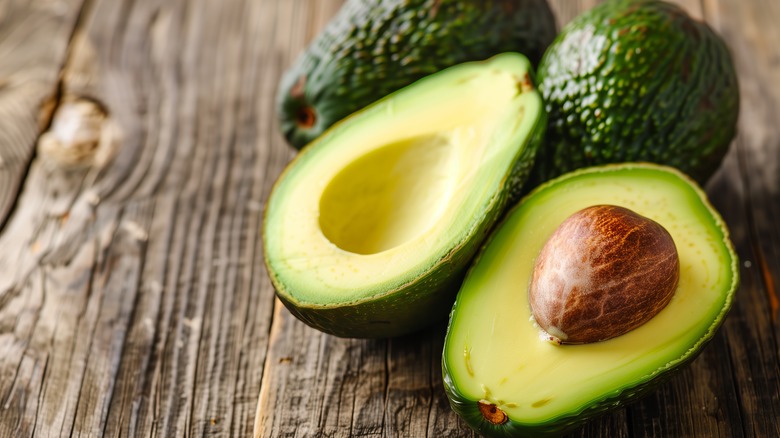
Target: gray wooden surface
(137, 148)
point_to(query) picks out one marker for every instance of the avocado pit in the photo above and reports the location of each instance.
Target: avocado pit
(604, 271)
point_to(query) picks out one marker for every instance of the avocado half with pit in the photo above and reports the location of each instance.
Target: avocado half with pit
(369, 230)
(506, 375)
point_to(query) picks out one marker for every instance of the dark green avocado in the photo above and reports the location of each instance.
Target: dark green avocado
(369, 230)
(374, 47)
(503, 374)
(637, 81)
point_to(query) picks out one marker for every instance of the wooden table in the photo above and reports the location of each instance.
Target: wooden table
(133, 297)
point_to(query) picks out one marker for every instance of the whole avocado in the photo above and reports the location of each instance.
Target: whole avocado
(637, 81)
(374, 47)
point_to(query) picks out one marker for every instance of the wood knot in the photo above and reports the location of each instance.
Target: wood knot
(81, 135)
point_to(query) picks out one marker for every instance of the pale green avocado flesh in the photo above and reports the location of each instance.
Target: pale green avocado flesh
(369, 230)
(494, 352)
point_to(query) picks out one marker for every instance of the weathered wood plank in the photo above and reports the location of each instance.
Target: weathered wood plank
(33, 43)
(137, 303)
(753, 328)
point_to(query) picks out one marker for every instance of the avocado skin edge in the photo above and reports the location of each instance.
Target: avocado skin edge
(467, 408)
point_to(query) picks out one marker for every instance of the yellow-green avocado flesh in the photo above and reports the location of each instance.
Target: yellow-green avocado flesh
(369, 230)
(494, 352)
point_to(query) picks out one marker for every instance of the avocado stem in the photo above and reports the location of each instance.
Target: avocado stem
(305, 117)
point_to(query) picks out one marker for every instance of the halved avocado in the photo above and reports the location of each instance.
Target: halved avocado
(505, 378)
(369, 230)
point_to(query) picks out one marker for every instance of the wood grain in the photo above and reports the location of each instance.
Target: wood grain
(34, 37)
(134, 301)
(133, 297)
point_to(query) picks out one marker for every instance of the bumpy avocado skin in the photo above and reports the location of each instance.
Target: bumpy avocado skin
(637, 81)
(374, 47)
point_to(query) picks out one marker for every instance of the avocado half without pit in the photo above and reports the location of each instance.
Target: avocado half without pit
(368, 232)
(596, 287)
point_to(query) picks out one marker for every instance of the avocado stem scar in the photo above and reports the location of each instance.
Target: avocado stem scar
(492, 413)
(305, 117)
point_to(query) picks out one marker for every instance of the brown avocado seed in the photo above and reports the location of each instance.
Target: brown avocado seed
(605, 271)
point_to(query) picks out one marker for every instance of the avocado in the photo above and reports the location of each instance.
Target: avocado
(506, 377)
(637, 81)
(374, 47)
(368, 231)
